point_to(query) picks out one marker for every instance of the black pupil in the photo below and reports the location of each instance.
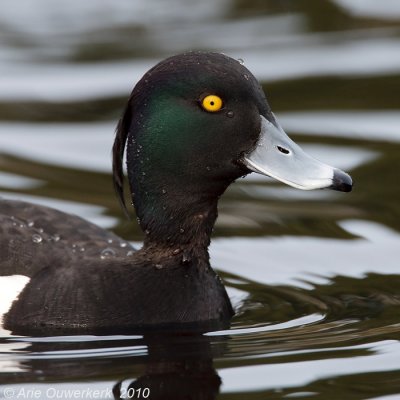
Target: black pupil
(211, 103)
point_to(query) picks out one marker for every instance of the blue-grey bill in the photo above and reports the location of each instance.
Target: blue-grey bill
(277, 156)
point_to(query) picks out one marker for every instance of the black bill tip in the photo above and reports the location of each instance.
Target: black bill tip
(341, 181)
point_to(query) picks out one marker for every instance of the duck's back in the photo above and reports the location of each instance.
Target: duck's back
(33, 237)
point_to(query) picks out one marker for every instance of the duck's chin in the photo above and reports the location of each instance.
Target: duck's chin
(279, 157)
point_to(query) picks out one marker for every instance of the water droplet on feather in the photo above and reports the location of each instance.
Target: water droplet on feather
(107, 253)
(36, 238)
(55, 238)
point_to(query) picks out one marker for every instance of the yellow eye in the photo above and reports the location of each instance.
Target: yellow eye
(212, 103)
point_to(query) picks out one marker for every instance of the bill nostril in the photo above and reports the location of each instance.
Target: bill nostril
(283, 150)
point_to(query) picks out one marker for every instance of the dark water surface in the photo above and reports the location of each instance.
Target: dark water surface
(314, 276)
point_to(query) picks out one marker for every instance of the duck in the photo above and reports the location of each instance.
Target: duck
(193, 124)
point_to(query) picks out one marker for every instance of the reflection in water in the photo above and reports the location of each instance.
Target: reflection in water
(178, 366)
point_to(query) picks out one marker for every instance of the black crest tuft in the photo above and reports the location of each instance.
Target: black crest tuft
(118, 149)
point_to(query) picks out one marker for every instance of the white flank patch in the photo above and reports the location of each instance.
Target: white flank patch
(10, 287)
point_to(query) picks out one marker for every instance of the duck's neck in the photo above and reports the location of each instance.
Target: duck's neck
(176, 222)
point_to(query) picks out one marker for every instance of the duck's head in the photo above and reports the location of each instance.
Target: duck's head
(193, 124)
